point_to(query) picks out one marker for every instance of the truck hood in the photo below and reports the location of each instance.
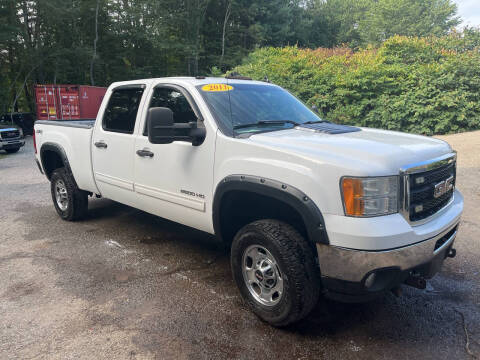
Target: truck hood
(369, 152)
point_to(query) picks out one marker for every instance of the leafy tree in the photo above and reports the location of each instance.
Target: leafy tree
(337, 21)
(386, 18)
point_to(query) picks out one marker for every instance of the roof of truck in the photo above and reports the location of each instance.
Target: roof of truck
(195, 81)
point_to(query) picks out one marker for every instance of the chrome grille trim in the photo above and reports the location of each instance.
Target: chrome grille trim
(424, 166)
(10, 134)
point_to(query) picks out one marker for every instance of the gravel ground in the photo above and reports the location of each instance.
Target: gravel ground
(127, 285)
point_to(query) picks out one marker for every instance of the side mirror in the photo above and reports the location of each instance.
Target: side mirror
(162, 129)
(160, 125)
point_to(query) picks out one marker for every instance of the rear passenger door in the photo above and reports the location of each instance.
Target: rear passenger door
(113, 144)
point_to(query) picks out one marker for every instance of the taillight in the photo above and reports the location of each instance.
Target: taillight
(34, 142)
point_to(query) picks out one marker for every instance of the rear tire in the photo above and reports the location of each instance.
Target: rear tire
(291, 290)
(70, 202)
(12, 151)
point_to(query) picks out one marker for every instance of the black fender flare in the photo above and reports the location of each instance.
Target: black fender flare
(308, 210)
(48, 146)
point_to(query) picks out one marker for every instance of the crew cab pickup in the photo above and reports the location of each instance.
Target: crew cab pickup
(308, 207)
(11, 137)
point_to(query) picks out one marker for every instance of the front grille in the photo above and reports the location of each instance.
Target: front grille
(422, 202)
(11, 134)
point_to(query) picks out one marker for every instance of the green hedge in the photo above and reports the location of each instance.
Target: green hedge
(419, 85)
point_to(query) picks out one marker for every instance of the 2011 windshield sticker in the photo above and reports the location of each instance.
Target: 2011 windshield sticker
(217, 87)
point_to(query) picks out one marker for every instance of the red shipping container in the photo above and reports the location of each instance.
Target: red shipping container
(90, 100)
(68, 105)
(68, 102)
(46, 101)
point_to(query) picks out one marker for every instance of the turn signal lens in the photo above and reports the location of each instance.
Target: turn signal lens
(352, 196)
(370, 196)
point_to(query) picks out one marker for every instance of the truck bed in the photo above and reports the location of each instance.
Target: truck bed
(74, 137)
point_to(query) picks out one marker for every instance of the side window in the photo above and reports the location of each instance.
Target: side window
(121, 111)
(175, 101)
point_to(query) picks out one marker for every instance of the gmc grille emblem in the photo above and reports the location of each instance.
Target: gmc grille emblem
(443, 187)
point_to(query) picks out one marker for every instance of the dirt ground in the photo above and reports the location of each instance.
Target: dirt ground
(123, 284)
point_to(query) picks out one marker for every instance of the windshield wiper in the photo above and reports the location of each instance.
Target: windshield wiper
(266, 122)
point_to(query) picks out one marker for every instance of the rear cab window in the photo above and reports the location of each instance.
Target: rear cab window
(122, 108)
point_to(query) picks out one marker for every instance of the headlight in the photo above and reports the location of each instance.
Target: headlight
(373, 196)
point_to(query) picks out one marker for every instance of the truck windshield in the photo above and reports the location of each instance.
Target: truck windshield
(247, 108)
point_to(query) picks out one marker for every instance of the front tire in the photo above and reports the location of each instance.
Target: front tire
(275, 271)
(70, 202)
(12, 151)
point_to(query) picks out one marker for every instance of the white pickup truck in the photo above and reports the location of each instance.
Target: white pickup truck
(308, 207)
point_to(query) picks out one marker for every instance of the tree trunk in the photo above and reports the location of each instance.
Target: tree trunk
(19, 92)
(26, 23)
(29, 99)
(94, 45)
(225, 21)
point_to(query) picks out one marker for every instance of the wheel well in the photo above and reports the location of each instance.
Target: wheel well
(51, 160)
(239, 208)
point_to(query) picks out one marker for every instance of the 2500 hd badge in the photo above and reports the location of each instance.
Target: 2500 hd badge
(191, 193)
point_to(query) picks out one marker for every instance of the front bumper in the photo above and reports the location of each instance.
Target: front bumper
(11, 144)
(392, 267)
(346, 271)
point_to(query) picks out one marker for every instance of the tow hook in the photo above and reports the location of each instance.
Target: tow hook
(451, 253)
(416, 281)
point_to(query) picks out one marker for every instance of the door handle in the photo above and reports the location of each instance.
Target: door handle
(145, 153)
(101, 144)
